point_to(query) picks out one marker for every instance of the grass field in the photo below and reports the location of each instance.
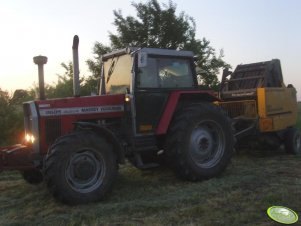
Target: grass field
(254, 181)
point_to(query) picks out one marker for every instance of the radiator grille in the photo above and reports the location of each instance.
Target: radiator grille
(53, 130)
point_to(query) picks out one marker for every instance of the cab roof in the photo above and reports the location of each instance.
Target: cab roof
(148, 51)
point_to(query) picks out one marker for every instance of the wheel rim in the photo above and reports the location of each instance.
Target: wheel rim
(207, 144)
(85, 171)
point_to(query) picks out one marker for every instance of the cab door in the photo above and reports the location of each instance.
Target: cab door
(150, 105)
(154, 81)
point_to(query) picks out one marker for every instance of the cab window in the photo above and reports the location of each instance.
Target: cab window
(117, 74)
(165, 73)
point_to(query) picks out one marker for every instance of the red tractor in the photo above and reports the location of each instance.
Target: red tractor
(149, 111)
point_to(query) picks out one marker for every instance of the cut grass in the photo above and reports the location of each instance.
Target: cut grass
(253, 181)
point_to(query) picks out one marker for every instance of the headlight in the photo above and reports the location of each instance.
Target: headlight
(127, 98)
(29, 138)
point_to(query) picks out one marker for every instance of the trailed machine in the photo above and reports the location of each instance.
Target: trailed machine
(261, 107)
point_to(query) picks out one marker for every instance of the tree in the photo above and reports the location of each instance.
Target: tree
(11, 119)
(155, 27)
(20, 96)
(94, 65)
(158, 26)
(64, 85)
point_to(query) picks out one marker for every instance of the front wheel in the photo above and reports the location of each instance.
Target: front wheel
(80, 168)
(199, 142)
(32, 176)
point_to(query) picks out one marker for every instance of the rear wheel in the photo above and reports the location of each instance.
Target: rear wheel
(32, 176)
(200, 142)
(292, 141)
(80, 168)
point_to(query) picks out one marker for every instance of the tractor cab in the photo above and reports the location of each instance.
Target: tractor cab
(147, 68)
(148, 76)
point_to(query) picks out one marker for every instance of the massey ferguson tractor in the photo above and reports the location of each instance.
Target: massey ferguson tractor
(150, 111)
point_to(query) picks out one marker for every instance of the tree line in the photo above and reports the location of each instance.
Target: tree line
(155, 25)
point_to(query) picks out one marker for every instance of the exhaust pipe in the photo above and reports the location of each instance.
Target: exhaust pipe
(75, 66)
(40, 61)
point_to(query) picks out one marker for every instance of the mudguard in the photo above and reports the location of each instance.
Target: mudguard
(118, 149)
(16, 157)
(173, 101)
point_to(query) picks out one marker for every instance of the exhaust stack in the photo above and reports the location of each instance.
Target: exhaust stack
(75, 66)
(40, 61)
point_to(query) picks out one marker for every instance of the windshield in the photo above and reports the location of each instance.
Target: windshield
(165, 73)
(117, 74)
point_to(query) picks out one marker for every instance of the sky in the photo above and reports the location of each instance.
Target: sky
(247, 31)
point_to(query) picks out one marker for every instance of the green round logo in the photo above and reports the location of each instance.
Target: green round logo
(282, 215)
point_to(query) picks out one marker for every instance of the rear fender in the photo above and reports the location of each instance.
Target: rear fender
(118, 149)
(176, 99)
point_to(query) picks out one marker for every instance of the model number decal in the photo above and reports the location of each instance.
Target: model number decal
(81, 110)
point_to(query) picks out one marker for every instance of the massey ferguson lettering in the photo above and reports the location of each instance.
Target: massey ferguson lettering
(81, 110)
(52, 112)
(90, 109)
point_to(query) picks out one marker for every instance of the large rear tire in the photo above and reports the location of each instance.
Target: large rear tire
(199, 142)
(80, 168)
(292, 141)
